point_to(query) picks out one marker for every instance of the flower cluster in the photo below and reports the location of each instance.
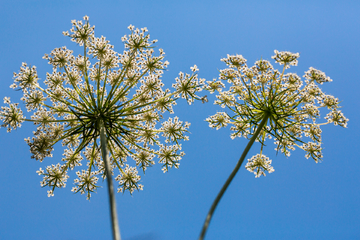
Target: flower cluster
(288, 107)
(258, 164)
(120, 92)
(12, 116)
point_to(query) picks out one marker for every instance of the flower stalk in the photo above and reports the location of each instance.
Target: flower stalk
(231, 177)
(105, 156)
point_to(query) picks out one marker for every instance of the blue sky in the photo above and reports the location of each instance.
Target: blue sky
(300, 200)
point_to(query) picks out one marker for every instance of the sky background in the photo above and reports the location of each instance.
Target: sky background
(300, 200)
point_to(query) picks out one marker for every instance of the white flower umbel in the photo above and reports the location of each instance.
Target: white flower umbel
(259, 164)
(264, 103)
(104, 107)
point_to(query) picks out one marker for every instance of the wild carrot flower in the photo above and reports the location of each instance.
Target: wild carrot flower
(264, 103)
(99, 103)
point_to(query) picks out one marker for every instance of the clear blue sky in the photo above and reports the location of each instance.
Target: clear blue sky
(300, 200)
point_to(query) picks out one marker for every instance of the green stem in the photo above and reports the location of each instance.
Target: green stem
(105, 155)
(232, 175)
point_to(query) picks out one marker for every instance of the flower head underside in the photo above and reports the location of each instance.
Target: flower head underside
(290, 105)
(122, 91)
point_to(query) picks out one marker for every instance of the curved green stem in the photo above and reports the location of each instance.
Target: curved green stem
(232, 175)
(105, 155)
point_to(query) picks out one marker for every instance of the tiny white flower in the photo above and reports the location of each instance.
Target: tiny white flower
(194, 68)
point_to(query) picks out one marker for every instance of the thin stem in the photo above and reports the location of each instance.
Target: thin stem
(105, 155)
(232, 175)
